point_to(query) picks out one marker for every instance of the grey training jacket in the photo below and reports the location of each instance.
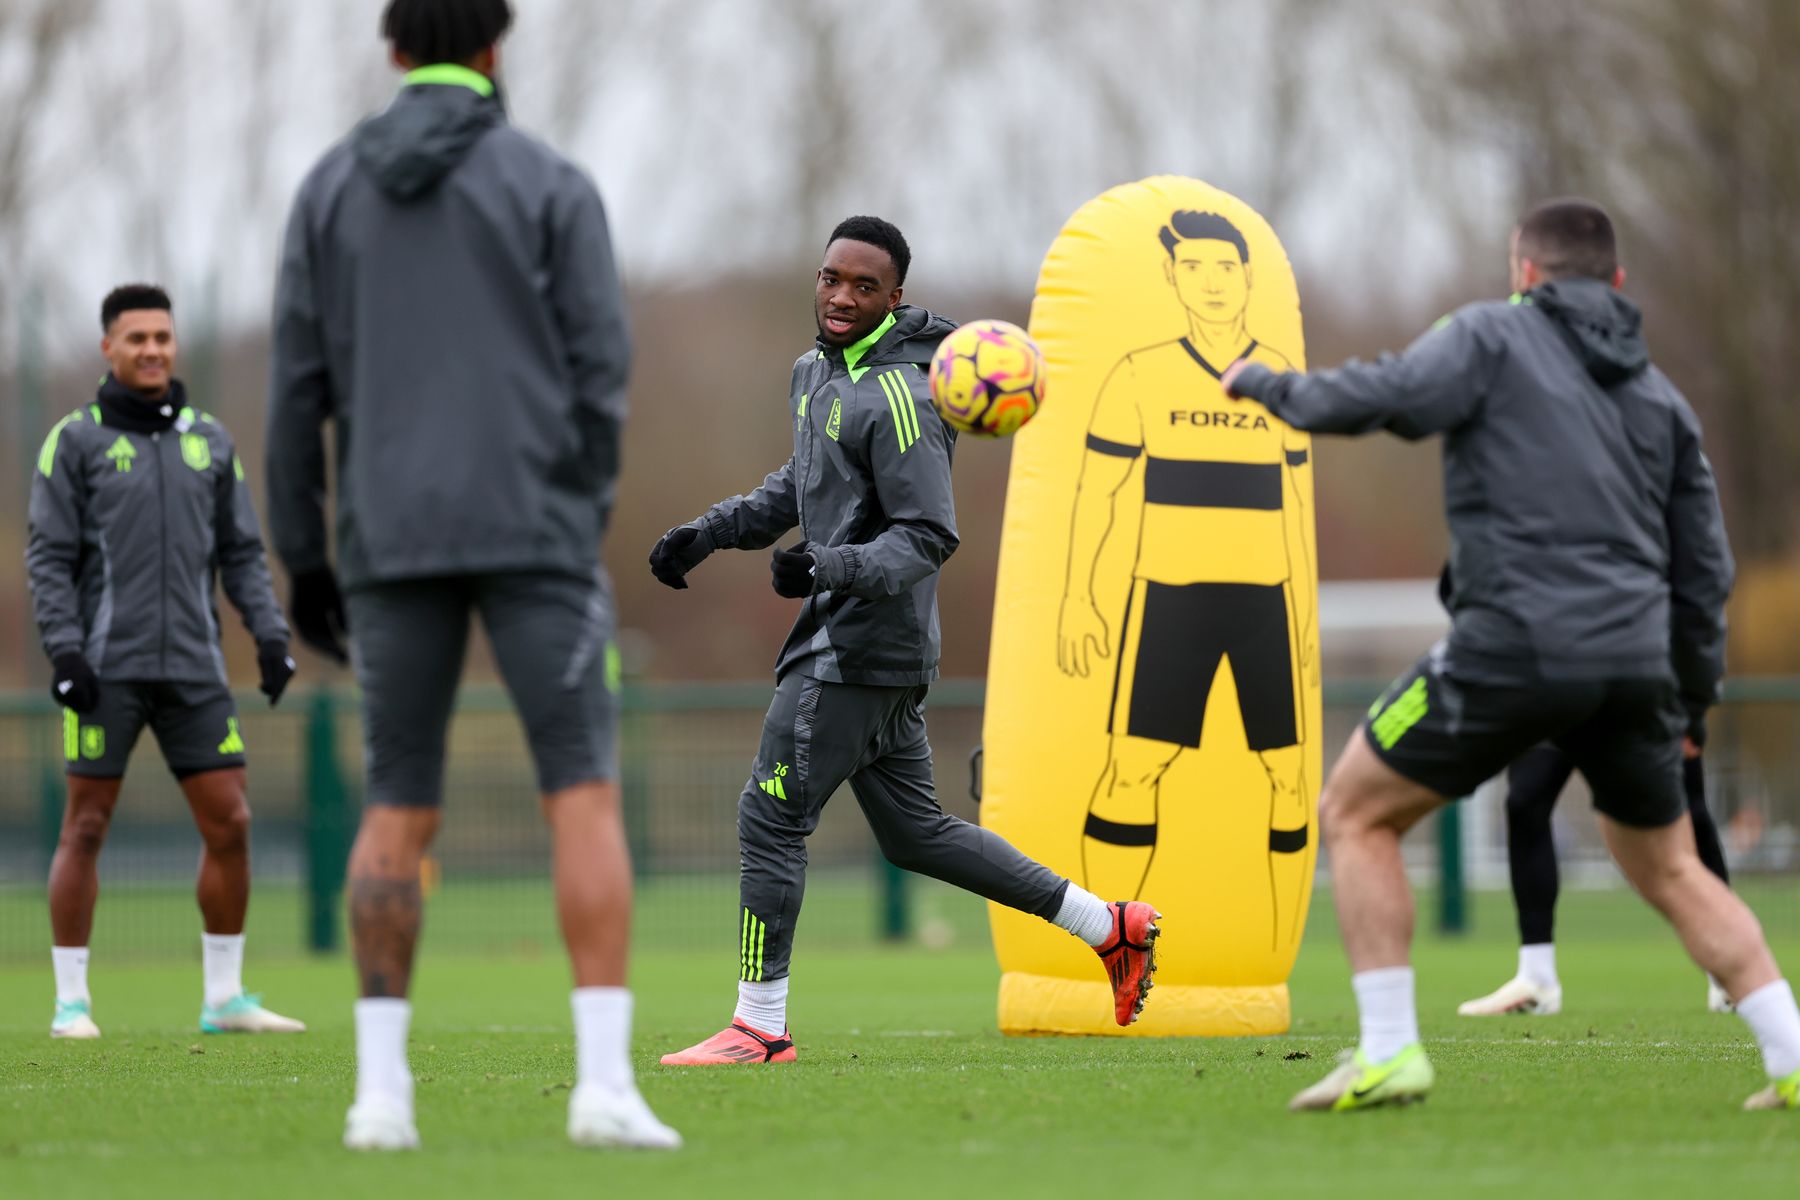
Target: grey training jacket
(448, 298)
(128, 532)
(1586, 540)
(869, 487)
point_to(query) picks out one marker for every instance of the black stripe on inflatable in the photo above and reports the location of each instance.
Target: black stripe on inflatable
(1115, 834)
(1296, 458)
(1287, 841)
(1203, 484)
(1117, 449)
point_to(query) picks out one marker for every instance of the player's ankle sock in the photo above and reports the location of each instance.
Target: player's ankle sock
(222, 965)
(1537, 964)
(70, 963)
(1773, 1018)
(1384, 1002)
(763, 1006)
(1085, 915)
(381, 1026)
(602, 1037)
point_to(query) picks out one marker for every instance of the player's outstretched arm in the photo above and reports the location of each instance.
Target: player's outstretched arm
(1435, 385)
(749, 522)
(1701, 572)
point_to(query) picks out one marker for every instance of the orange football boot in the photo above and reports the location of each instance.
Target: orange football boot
(736, 1043)
(1129, 956)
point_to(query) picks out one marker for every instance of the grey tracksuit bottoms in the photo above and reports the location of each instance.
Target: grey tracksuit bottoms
(816, 736)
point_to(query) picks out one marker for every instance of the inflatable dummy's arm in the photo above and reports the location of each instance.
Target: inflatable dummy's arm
(1115, 441)
(1302, 545)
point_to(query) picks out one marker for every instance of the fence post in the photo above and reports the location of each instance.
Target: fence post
(327, 825)
(1453, 910)
(894, 911)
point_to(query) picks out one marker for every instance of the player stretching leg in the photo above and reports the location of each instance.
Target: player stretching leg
(1533, 783)
(448, 298)
(869, 487)
(1585, 564)
(138, 505)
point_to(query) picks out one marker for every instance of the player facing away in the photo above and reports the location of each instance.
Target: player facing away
(138, 510)
(1211, 476)
(448, 300)
(1585, 562)
(868, 486)
(1533, 784)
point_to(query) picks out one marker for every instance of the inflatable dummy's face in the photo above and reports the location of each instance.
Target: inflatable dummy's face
(1211, 279)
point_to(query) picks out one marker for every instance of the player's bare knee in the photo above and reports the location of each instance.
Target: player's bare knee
(228, 832)
(84, 831)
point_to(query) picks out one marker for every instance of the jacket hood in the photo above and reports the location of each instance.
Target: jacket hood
(421, 137)
(1605, 329)
(914, 337)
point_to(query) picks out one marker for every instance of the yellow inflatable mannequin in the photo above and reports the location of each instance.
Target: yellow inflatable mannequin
(1152, 724)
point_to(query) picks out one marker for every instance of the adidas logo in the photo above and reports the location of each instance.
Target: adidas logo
(772, 785)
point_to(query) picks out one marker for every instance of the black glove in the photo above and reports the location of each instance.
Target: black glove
(276, 667)
(679, 551)
(74, 684)
(318, 612)
(792, 571)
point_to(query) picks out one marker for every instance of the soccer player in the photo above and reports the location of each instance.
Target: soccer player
(1588, 556)
(448, 299)
(138, 510)
(868, 485)
(1533, 784)
(1206, 481)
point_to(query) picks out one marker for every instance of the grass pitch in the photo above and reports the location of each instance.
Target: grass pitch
(904, 1088)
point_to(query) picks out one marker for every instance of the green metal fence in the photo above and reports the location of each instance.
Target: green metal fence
(686, 748)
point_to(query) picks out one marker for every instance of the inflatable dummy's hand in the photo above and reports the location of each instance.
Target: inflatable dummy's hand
(1078, 624)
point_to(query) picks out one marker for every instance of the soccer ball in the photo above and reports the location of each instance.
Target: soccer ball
(987, 378)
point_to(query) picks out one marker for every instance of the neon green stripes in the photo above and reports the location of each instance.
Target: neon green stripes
(1408, 708)
(903, 406)
(234, 741)
(47, 455)
(750, 947)
(237, 468)
(774, 788)
(451, 73)
(71, 735)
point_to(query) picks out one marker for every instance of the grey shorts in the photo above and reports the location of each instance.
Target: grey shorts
(195, 724)
(552, 636)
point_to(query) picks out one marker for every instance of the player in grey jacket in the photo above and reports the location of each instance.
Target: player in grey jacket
(868, 486)
(138, 511)
(448, 300)
(1587, 554)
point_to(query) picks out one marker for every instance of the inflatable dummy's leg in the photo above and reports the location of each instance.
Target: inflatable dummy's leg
(1290, 849)
(1119, 839)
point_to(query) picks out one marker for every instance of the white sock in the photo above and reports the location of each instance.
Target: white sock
(1384, 1001)
(1085, 915)
(71, 972)
(381, 1026)
(1772, 1017)
(763, 1006)
(1537, 964)
(603, 1038)
(222, 964)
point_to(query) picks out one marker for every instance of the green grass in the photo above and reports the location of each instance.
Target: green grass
(905, 1089)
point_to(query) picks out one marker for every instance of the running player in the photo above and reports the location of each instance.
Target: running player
(868, 485)
(448, 300)
(1588, 554)
(1533, 784)
(138, 510)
